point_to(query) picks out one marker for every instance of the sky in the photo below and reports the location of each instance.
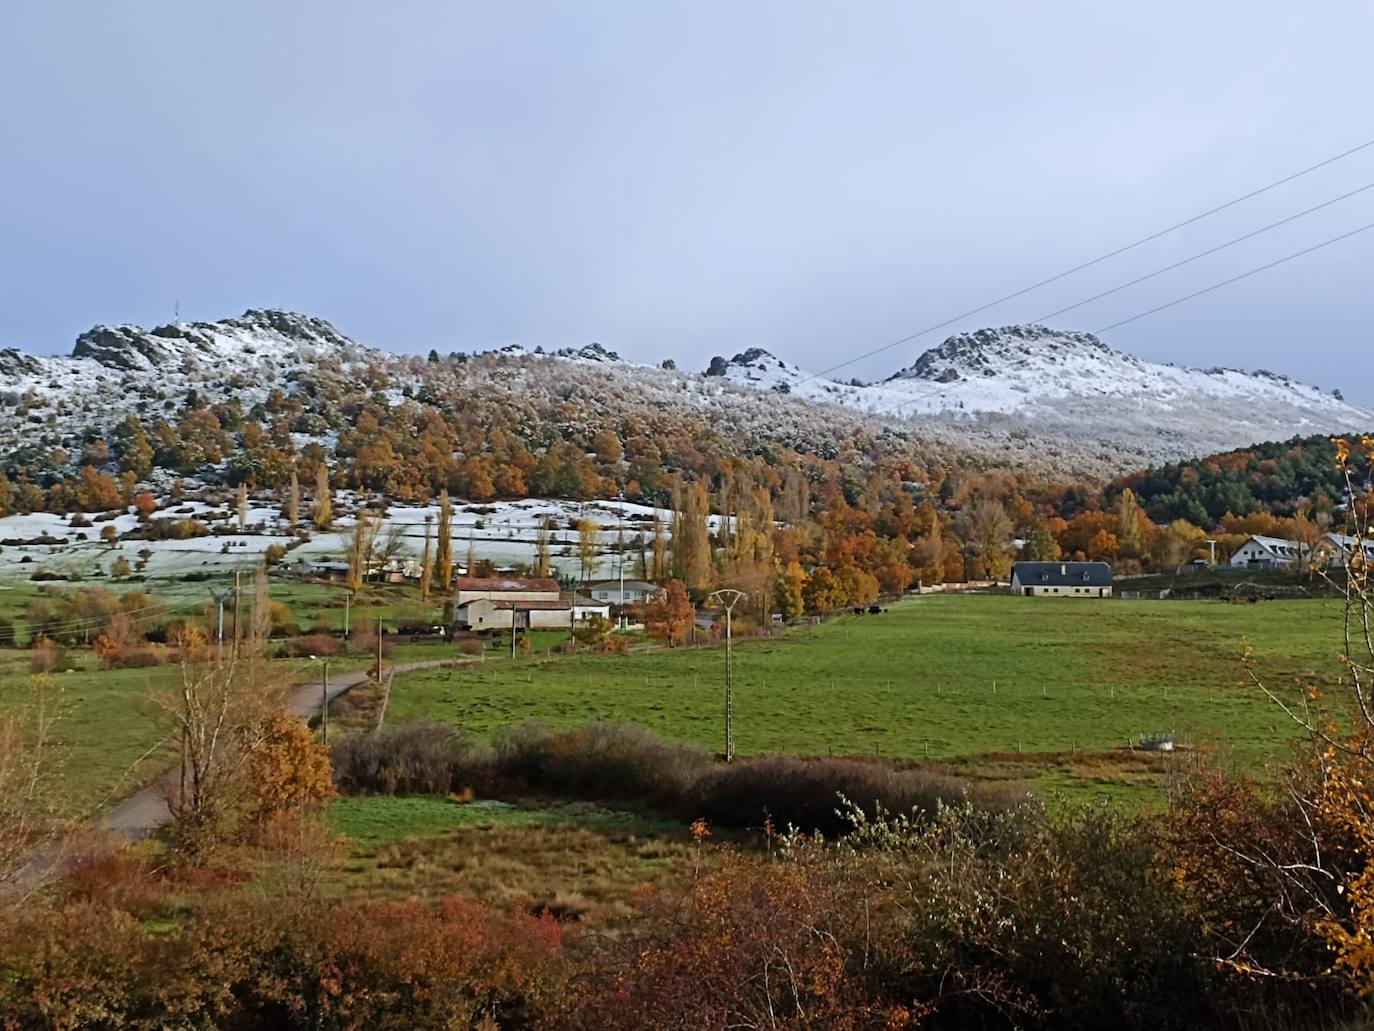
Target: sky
(689, 179)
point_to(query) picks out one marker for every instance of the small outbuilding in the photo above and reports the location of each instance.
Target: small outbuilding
(1062, 579)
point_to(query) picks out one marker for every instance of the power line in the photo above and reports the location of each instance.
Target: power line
(1095, 261)
(1237, 279)
(1206, 253)
(1169, 304)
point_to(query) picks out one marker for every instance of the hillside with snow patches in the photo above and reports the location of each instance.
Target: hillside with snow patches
(1060, 402)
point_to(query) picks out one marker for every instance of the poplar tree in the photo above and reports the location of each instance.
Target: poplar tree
(322, 513)
(443, 558)
(293, 501)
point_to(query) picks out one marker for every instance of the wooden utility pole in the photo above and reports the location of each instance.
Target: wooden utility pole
(236, 611)
(379, 649)
(324, 703)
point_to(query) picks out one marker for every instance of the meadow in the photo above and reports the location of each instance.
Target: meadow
(1046, 690)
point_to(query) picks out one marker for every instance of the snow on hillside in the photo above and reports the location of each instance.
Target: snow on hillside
(504, 532)
(1058, 403)
(1070, 385)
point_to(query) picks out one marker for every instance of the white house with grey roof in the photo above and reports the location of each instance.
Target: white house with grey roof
(1260, 552)
(636, 592)
(1062, 579)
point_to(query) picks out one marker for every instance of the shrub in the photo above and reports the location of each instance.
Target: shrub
(804, 793)
(601, 761)
(471, 646)
(46, 656)
(310, 644)
(413, 759)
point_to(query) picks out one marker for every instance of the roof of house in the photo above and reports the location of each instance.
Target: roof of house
(583, 602)
(1346, 542)
(1275, 544)
(1063, 574)
(521, 606)
(630, 585)
(502, 583)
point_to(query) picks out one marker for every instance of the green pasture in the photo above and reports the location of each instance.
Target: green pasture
(953, 680)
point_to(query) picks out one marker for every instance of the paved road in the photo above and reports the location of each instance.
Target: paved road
(145, 811)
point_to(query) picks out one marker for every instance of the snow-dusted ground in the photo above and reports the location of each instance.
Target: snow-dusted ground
(505, 532)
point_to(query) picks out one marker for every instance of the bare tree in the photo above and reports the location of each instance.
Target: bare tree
(219, 713)
(361, 542)
(30, 820)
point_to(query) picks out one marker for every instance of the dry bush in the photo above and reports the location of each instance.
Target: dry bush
(313, 644)
(46, 656)
(804, 793)
(412, 759)
(603, 761)
(471, 646)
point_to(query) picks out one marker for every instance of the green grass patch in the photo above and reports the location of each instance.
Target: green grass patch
(939, 678)
(376, 820)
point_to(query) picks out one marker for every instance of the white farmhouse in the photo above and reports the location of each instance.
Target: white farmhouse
(636, 592)
(1269, 553)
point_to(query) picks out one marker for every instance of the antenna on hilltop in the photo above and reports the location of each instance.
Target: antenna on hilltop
(176, 310)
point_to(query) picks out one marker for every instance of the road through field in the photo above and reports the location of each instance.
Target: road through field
(146, 810)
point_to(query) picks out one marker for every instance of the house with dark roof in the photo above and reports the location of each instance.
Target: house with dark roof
(1062, 579)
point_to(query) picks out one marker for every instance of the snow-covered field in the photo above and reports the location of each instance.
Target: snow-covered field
(504, 532)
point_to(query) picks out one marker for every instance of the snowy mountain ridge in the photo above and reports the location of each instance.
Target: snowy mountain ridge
(1039, 373)
(1016, 393)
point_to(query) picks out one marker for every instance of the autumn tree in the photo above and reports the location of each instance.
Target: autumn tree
(691, 536)
(426, 566)
(218, 712)
(822, 593)
(443, 552)
(542, 564)
(791, 582)
(670, 617)
(287, 770)
(241, 505)
(1041, 545)
(587, 547)
(322, 514)
(360, 547)
(658, 570)
(293, 501)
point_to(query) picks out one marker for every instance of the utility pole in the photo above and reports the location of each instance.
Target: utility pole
(379, 649)
(729, 597)
(219, 598)
(236, 610)
(1212, 546)
(348, 605)
(324, 704)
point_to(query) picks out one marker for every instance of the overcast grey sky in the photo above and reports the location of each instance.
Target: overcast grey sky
(686, 179)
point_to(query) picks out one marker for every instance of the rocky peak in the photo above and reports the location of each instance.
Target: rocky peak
(16, 363)
(593, 352)
(257, 332)
(990, 352)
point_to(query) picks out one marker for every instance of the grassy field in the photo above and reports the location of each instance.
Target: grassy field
(579, 861)
(1006, 686)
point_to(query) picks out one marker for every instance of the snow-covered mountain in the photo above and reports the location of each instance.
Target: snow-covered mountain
(1072, 385)
(1021, 395)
